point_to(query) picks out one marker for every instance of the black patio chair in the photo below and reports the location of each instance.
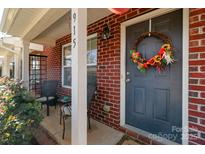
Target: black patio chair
(48, 94)
(65, 110)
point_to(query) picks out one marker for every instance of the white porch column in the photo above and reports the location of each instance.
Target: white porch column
(5, 66)
(17, 61)
(79, 76)
(25, 64)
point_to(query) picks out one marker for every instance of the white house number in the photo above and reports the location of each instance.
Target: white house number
(74, 29)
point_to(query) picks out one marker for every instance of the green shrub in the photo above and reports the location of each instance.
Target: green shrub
(19, 113)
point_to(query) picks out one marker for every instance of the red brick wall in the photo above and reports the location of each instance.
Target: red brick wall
(108, 72)
(108, 67)
(197, 75)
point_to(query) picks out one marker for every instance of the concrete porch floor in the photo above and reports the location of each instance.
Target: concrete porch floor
(99, 134)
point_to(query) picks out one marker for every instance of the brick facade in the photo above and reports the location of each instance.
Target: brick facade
(197, 75)
(108, 68)
(108, 72)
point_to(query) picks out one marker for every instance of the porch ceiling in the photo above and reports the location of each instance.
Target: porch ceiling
(28, 23)
(62, 27)
(43, 25)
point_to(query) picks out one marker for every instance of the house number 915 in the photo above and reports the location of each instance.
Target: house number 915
(74, 29)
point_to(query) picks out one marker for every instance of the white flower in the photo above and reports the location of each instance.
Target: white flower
(168, 58)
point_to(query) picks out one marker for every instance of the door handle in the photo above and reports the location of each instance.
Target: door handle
(127, 80)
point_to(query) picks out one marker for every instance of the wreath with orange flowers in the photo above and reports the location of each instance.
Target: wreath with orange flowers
(163, 57)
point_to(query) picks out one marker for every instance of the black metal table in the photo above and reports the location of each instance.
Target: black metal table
(65, 103)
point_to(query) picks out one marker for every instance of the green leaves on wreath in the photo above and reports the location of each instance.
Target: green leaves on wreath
(164, 61)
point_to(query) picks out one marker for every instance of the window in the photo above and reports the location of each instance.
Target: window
(66, 66)
(67, 59)
(92, 51)
(92, 56)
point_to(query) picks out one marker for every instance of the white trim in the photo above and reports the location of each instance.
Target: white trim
(36, 46)
(185, 76)
(141, 18)
(91, 64)
(92, 36)
(122, 73)
(62, 66)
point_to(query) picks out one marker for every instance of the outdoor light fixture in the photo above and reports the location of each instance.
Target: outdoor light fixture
(106, 32)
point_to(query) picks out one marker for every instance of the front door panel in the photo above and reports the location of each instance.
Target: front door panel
(153, 99)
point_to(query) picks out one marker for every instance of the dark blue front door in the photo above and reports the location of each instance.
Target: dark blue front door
(154, 100)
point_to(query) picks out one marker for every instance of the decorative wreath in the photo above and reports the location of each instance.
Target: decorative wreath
(163, 57)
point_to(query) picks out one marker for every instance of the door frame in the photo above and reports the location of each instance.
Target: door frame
(185, 70)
